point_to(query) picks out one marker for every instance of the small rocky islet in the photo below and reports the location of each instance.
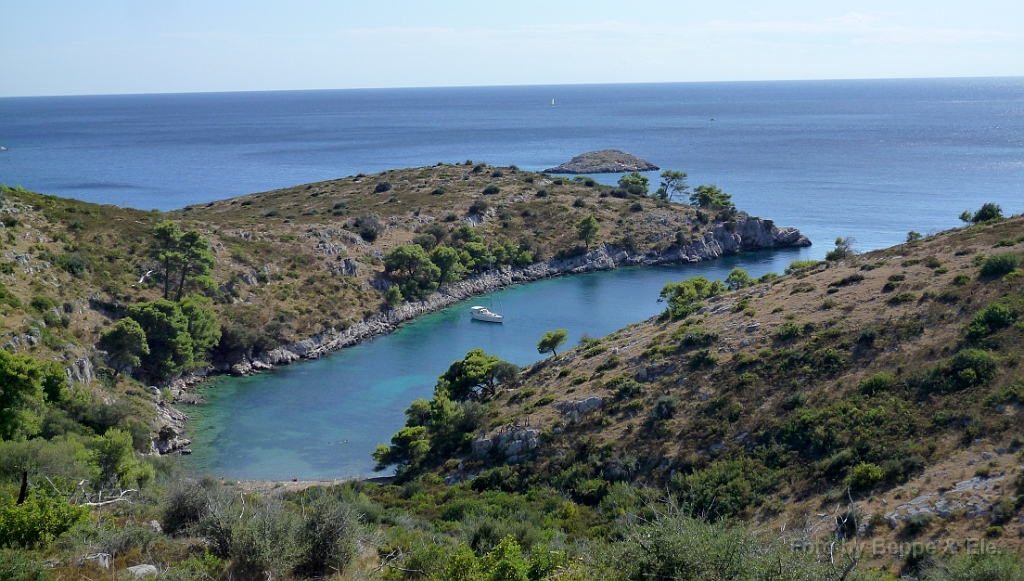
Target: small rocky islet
(604, 161)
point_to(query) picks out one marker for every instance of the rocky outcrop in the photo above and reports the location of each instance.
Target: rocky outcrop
(514, 445)
(578, 407)
(746, 233)
(170, 427)
(604, 161)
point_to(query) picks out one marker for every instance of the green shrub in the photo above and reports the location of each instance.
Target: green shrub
(877, 383)
(327, 535)
(1000, 264)
(21, 566)
(491, 190)
(665, 408)
(38, 521)
(788, 330)
(961, 279)
(265, 542)
(968, 368)
(904, 297)
(865, 476)
(847, 280)
(982, 566)
(698, 337)
(802, 265)
(992, 318)
(725, 488)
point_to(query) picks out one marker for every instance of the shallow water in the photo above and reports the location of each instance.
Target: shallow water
(323, 418)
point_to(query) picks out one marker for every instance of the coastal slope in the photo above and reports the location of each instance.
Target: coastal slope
(298, 272)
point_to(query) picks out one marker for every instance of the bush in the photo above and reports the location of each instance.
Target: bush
(987, 321)
(725, 488)
(877, 383)
(999, 264)
(20, 566)
(491, 190)
(327, 535)
(382, 187)
(968, 368)
(478, 207)
(865, 476)
(665, 408)
(801, 265)
(265, 542)
(982, 566)
(788, 330)
(904, 297)
(38, 521)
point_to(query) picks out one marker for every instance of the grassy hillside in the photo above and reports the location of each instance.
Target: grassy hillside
(281, 268)
(853, 420)
(890, 380)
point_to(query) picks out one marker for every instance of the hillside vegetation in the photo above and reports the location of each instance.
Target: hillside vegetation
(853, 419)
(886, 385)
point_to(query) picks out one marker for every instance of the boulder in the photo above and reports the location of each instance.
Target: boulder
(143, 571)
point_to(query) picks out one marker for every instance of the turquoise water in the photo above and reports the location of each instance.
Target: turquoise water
(322, 419)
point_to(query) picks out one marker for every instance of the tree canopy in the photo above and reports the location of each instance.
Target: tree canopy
(125, 344)
(185, 258)
(179, 336)
(711, 197)
(551, 341)
(684, 297)
(411, 269)
(587, 229)
(635, 183)
(25, 384)
(673, 183)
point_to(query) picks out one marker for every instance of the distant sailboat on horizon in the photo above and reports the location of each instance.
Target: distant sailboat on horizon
(552, 102)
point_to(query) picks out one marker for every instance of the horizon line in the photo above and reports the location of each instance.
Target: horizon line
(420, 87)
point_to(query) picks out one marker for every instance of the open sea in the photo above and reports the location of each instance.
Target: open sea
(870, 159)
(866, 159)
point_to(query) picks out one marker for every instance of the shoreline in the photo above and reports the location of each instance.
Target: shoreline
(750, 234)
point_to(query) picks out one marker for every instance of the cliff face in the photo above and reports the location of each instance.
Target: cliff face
(749, 234)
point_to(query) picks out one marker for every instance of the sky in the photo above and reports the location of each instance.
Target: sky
(71, 47)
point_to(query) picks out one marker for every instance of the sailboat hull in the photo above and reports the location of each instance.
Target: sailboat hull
(483, 314)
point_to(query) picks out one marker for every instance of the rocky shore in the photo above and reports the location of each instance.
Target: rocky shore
(604, 161)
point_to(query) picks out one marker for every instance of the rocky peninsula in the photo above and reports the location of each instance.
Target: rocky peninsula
(604, 161)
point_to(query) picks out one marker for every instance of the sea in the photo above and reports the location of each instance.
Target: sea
(870, 160)
(867, 159)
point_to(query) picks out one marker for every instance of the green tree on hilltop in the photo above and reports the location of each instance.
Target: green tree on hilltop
(635, 183)
(125, 344)
(184, 257)
(166, 329)
(673, 183)
(711, 197)
(551, 341)
(467, 376)
(587, 229)
(737, 279)
(411, 269)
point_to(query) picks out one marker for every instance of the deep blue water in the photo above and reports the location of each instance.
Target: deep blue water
(869, 159)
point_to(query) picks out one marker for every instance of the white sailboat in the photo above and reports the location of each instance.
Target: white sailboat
(552, 102)
(486, 314)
